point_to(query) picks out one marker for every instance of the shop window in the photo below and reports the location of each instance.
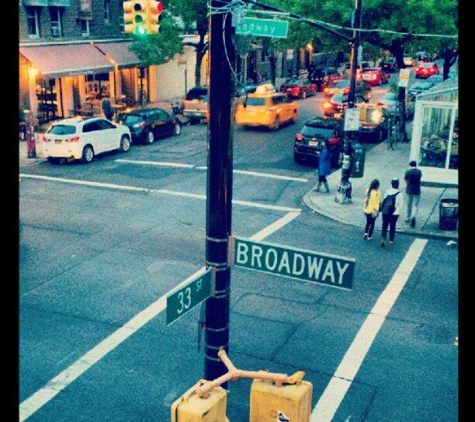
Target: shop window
(439, 137)
(97, 86)
(32, 14)
(55, 13)
(84, 27)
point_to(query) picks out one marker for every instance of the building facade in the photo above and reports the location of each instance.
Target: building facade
(74, 53)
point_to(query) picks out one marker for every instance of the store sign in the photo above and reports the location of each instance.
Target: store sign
(403, 78)
(85, 9)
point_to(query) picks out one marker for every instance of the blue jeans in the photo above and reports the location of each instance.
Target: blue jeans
(412, 203)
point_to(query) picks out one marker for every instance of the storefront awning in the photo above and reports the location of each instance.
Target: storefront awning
(119, 53)
(56, 61)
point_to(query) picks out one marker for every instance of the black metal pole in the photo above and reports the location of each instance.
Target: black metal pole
(344, 188)
(219, 186)
(402, 114)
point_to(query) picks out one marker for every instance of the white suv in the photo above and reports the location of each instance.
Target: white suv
(82, 138)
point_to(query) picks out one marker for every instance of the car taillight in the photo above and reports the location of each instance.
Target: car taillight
(327, 104)
(73, 139)
(333, 141)
(380, 105)
(46, 139)
(299, 137)
(139, 125)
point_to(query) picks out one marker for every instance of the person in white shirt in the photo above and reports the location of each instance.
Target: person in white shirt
(390, 217)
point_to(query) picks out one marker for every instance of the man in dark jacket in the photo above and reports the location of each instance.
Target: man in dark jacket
(413, 178)
(107, 109)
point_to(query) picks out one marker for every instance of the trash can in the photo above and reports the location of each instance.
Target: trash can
(448, 214)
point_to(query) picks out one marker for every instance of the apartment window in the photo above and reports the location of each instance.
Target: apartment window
(55, 14)
(32, 18)
(106, 11)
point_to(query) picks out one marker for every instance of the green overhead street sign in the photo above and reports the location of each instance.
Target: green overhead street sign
(185, 299)
(300, 264)
(264, 27)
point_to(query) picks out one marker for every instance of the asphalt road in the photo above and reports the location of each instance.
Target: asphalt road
(103, 245)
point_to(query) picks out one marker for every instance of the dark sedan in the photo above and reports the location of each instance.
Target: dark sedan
(321, 77)
(148, 124)
(336, 105)
(298, 88)
(308, 141)
(389, 65)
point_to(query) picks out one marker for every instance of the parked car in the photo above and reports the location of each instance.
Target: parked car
(335, 106)
(426, 69)
(374, 123)
(298, 88)
(82, 138)
(342, 86)
(322, 76)
(417, 88)
(195, 104)
(375, 76)
(265, 108)
(148, 124)
(308, 141)
(390, 102)
(389, 65)
(409, 61)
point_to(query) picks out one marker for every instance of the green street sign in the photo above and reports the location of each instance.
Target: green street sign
(300, 264)
(185, 299)
(264, 27)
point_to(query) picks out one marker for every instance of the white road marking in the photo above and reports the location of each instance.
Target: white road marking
(155, 191)
(346, 372)
(339, 384)
(245, 172)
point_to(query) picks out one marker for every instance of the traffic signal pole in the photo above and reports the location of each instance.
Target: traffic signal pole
(219, 186)
(343, 195)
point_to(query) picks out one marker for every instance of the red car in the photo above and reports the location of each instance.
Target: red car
(426, 69)
(375, 76)
(298, 88)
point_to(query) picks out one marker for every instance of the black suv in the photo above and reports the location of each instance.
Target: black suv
(148, 124)
(308, 141)
(322, 76)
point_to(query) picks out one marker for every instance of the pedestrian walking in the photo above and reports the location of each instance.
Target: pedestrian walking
(324, 167)
(390, 209)
(371, 208)
(412, 178)
(107, 109)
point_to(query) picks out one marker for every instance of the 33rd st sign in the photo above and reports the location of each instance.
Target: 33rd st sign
(304, 265)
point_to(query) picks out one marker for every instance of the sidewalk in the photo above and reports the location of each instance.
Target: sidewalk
(384, 164)
(380, 163)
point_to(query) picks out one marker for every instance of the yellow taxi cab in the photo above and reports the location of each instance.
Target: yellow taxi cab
(265, 107)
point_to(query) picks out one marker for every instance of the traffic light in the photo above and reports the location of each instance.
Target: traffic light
(135, 17)
(155, 9)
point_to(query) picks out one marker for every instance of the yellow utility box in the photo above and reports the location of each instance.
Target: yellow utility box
(286, 402)
(192, 408)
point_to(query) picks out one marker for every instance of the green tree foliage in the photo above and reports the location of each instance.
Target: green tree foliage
(194, 15)
(156, 49)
